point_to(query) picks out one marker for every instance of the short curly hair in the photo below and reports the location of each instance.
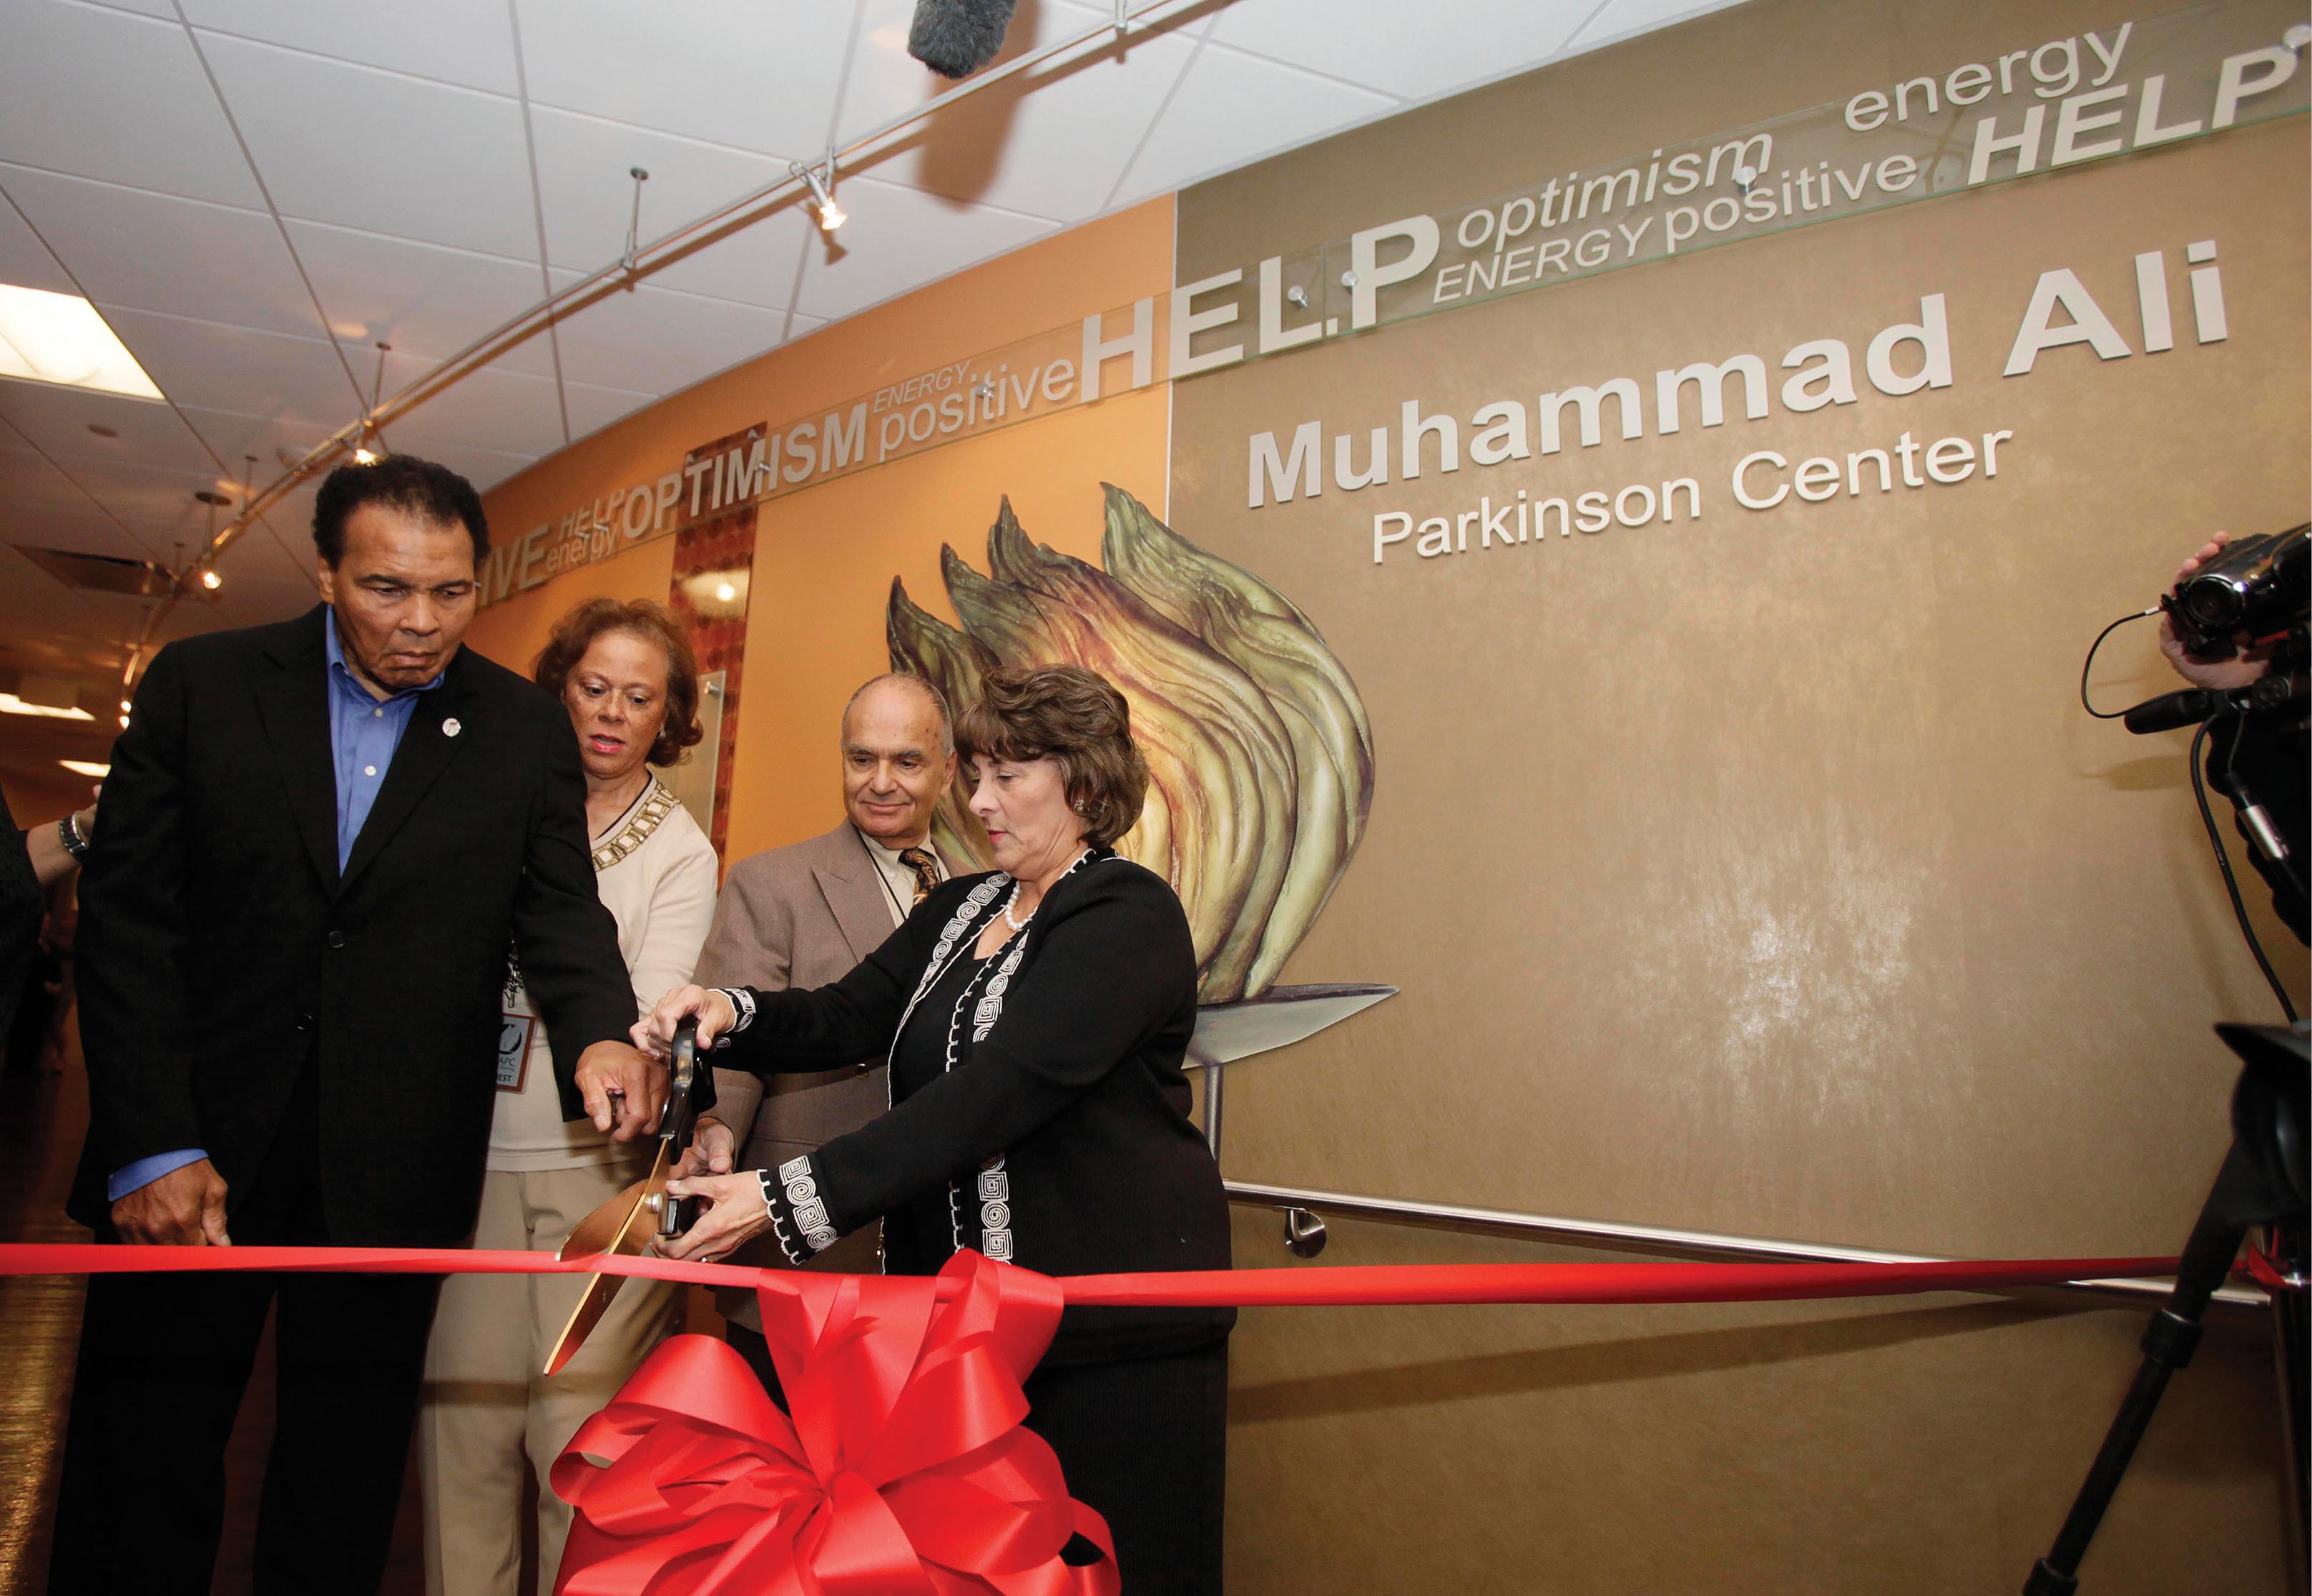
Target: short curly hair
(1074, 717)
(575, 634)
(419, 487)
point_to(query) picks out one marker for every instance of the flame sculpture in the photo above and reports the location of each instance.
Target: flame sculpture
(1259, 752)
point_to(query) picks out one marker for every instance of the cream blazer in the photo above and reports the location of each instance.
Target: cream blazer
(656, 872)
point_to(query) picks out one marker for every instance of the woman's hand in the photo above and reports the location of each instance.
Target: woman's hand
(654, 1033)
(736, 1213)
(2214, 675)
(712, 1151)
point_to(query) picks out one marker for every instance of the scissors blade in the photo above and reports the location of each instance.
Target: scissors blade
(623, 1226)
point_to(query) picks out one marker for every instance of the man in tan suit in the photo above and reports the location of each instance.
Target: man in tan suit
(801, 917)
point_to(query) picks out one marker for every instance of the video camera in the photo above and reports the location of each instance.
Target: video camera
(2259, 586)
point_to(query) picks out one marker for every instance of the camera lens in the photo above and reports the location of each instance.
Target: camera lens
(2211, 603)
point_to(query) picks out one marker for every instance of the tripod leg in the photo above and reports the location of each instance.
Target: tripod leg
(2168, 1343)
(2288, 1349)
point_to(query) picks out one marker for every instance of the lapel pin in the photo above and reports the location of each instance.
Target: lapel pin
(451, 728)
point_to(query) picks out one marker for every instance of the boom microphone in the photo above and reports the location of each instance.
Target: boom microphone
(956, 37)
(2171, 710)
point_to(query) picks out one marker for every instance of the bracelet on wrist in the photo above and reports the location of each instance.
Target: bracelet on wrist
(69, 834)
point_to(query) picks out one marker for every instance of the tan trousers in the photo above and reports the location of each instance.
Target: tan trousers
(488, 1417)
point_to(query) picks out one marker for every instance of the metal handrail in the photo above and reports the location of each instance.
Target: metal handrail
(1654, 1240)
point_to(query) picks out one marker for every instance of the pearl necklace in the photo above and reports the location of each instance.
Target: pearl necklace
(1018, 887)
(1008, 920)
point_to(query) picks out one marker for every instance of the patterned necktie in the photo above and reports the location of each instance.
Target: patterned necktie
(926, 867)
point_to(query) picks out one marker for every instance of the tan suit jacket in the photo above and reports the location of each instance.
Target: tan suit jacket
(798, 917)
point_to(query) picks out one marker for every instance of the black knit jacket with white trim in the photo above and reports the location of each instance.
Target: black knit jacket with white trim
(1078, 1086)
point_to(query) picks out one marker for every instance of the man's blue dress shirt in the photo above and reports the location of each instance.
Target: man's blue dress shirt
(364, 731)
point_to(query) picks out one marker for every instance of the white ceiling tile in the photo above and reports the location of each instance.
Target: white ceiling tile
(155, 502)
(484, 468)
(288, 527)
(86, 530)
(456, 41)
(509, 412)
(1050, 142)
(220, 263)
(738, 72)
(1624, 19)
(258, 555)
(1406, 50)
(582, 165)
(236, 437)
(421, 299)
(57, 420)
(28, 481)
(217, 367)
(24, 261)
(105, 94)
(189, 619)
(652, 340)
(255, 596)
(886, 82)
(379, 152)
(29, 597)
(1231, 108)
(593, 409)
(898, 238)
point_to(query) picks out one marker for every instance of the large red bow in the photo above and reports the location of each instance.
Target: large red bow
(903, 1472)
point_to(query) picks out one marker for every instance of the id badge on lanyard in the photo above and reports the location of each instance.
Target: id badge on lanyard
(514, 1050)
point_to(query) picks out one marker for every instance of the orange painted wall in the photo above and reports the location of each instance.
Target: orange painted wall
(824, 562)
(825, 556)
(512, 633)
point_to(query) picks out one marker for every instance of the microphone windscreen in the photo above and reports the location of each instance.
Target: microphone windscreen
(2171, 711)
(956, 37)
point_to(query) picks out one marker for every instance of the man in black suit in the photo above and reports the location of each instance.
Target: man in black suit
(319, 840)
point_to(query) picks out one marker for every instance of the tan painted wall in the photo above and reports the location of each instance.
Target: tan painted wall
(1762, 873)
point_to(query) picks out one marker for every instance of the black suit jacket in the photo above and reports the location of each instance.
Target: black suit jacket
(221, 954)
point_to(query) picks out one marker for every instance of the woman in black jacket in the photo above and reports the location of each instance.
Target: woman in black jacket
(1035, 1019)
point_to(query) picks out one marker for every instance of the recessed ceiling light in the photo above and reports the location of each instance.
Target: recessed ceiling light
(88, 767)
(60, 339)
(726, 593)
(11, 704)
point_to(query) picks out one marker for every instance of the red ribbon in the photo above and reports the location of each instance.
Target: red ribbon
(904, 1470)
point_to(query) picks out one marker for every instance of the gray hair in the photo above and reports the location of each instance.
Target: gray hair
(937, 699)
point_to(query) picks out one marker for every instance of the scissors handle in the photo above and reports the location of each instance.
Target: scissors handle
(676, 1124)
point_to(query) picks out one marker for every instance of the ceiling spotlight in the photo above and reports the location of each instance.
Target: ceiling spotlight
(363, 455)
(211, 580)
(124, 723)
(831, 216)
(726, 593)
(124, 706)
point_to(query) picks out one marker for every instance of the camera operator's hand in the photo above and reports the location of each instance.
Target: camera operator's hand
(2217, 675)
